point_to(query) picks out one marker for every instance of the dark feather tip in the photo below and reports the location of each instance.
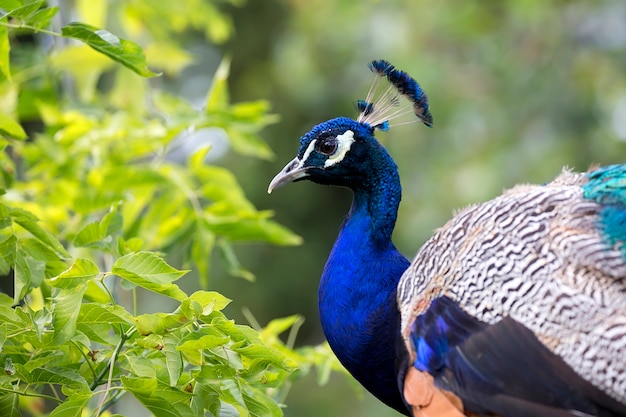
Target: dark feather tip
(423, 113)
(406, 86)
(364, 107)
(381, 67)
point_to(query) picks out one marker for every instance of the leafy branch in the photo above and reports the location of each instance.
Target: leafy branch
(96, 208)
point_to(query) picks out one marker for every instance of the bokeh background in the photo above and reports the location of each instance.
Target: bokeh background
(518, 90)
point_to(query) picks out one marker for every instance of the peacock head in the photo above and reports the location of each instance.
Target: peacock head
(343, 151)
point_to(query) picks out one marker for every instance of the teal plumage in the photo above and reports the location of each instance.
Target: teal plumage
(607, 186)
(515, 307)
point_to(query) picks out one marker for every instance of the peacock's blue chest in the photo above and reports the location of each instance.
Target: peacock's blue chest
(357, 302)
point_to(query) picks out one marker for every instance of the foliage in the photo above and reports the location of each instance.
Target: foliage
(97, 200)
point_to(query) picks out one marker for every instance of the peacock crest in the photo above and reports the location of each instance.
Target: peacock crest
(383, 104)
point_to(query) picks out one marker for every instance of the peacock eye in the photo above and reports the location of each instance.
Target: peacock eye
(327, 146)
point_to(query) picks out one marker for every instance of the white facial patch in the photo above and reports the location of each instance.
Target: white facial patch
(344, 142)
(308, 151)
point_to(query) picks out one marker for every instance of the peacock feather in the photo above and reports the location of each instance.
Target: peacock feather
(515, 307)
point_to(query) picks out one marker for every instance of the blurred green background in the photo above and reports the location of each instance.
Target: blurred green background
(518, 90)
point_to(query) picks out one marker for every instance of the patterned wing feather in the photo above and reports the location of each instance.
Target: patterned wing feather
(518, 297)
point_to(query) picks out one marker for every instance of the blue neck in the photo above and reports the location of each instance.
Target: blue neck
(357, 294)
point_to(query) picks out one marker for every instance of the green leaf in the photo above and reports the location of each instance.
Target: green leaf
(140, 367)
(41, 359)
(5, 49)
(81, 271)
(10, 405)
(205, 338)
(97, 333)
(232, 263)
(66, 305)
(121, 50)
(9, 315)
(231, 393)
(202, 244)
(260, 405)
(159, 323)
(249, 143)
(3, 334)
(217, 98)
(205, 397)
(96, 293)
(61, 376)
(210, 374)
(29, 273)
(73, 405)
(7, 254)
(173, 358)
(237, 332)
(210, 301)
(265, 355)
(8, 5)
(29, 222)
(41, 18)
(100, 234)
(149, 266)
(160, 399)
(26, 10)
(149, 271)
(255, 228)
(112, 222)
(94, 313)
(280, 325)
(89, 236)
(8, 126)
(5, 219)
(5, 300)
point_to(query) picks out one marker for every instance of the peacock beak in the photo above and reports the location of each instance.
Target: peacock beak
(293, 171)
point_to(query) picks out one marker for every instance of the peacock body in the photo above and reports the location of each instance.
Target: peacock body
(515, 307)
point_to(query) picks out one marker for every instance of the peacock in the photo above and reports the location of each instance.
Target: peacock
(515, 307)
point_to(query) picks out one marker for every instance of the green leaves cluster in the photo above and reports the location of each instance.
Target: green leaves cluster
(181, 363)
(95, 205)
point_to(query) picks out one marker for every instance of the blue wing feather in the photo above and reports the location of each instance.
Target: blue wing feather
(501, 368)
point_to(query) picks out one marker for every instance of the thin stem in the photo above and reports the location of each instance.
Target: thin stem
(87, 359)
(251, 319)
(293, 332)
(116, 352)
(30, 394)
(54, 391)
(26, 330)
(33, 28)
(104, 276)
(284, 391)
(123, 338)
(105, 391)
(114, 398)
